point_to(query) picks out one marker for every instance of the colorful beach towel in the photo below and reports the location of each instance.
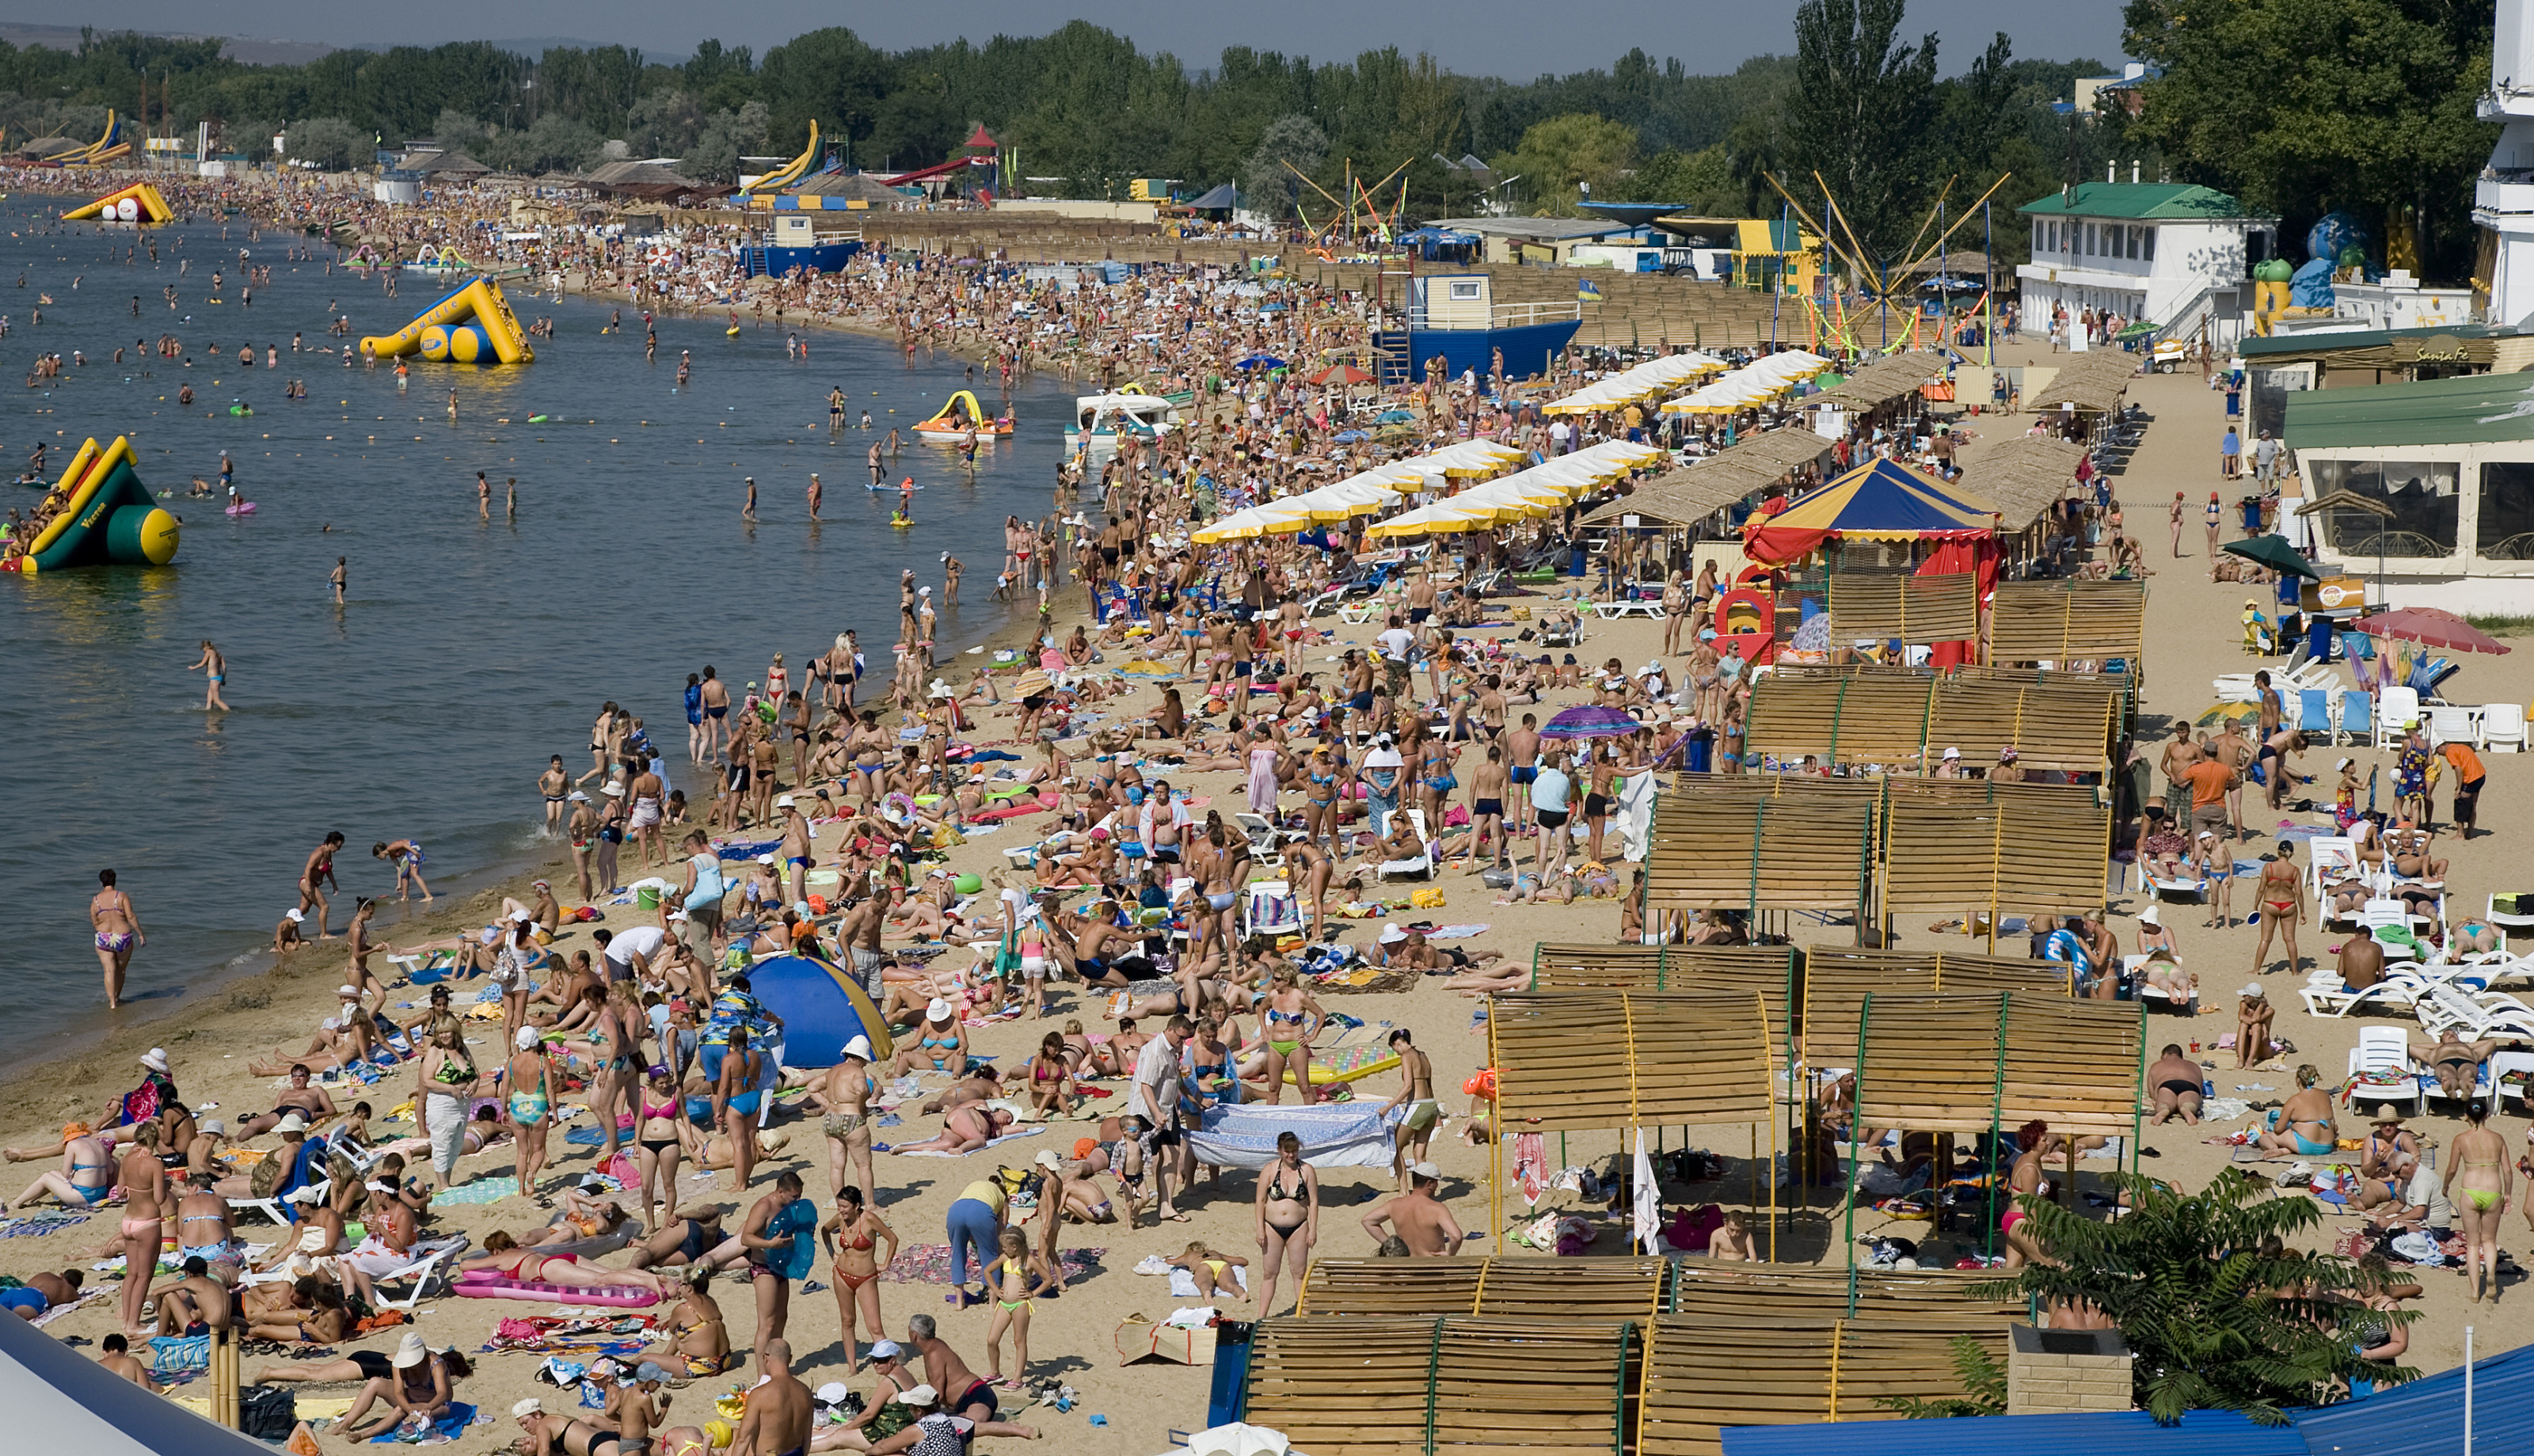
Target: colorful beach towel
(930, 1264)
(36, 1225)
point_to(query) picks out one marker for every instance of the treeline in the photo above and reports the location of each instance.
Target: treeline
(1083, 109)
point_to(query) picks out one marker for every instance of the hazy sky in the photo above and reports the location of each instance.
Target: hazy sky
(1502, 38)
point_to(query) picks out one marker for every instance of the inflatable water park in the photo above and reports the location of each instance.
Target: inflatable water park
(958, 417)
(473, 324)
(97, 515)
(139, 203)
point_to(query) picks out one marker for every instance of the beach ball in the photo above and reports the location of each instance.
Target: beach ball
(967, 885)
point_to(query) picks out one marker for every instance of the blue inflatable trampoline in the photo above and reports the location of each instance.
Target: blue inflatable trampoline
(821, 1007)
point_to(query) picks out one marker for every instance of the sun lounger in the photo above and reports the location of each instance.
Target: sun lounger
(2505, 1066)
(2357, 720)
(1419, 868)
(2397, 709)
(2385, 1051)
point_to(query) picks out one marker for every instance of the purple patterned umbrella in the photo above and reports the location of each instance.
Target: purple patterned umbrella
(1591, 721)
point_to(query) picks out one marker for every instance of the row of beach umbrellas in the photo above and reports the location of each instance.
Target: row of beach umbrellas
(1540, 490)
(1746, 389)
(1643, 382)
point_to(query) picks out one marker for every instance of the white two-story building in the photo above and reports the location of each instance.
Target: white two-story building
(2503, 198)
(2164, 253)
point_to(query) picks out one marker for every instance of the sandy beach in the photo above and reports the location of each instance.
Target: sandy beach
(2192, 639)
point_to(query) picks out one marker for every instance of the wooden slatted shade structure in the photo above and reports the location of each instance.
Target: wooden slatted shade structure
(2079, 1065)
(1511, 1288)
(1839, 978)
(1767, 969)
(1972, 1063)
(2062, 725)
(1790, 1292)
(2064, 622)
(1837, 717)
(1882, 605)
(1705, 1373)
(2039, 849)
(1568, 1061)
(1388, 1386)
(1602, 967)
(1753, 852)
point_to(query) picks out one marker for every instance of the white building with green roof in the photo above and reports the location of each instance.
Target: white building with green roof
(2165, 253)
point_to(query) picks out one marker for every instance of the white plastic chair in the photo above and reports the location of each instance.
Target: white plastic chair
(2398, 712)
(1419, 868)
(2452, 724)
(2385, 1049)
(2503, 1064)
(2502, 728)
(2491, 1013)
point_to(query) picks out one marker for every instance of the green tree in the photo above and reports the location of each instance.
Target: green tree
(1561, 157)
(1984, 1383)
(1702, 183)
(2189, 1281)
(1266, 180)
(553, 142)
(328, 144)
(1860, 114)
(725, 138)
(2301, 106)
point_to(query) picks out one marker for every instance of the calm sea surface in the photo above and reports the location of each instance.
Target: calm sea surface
(468, 650)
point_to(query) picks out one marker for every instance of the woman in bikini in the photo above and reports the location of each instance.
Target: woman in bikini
(846, 1098)
(529, 1080)
(2023, 1180)
(1288, 1218)
(941, 1044)
(2303, 1124)
(1051, 1078)
(852, 1234)
(1212, 1271)
(82, 1182)
(2480, 1180)
(2278, 903)
(1320, 778)
(1286, 1022)
(506, 1256)
(660, 1132)
(145, 1203)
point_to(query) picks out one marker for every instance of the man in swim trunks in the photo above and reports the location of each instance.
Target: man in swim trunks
(1417, 1093)
(2176, 1082)
(1418, 1216)
(2454, 1061)
(969, 1396)
(311, 1103)
(777, 1423)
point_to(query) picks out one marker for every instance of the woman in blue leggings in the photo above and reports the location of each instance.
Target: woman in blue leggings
(975, 1221)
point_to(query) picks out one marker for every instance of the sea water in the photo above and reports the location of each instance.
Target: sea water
(467, 651)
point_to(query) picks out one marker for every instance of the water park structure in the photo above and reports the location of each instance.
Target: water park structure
(100, 513)
(960, 414)
(139, 203)
(472, 325)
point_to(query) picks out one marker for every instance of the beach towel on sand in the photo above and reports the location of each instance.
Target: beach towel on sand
(930, 1264)
(1348, 1135)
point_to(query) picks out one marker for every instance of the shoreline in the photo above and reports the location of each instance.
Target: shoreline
(260, 987)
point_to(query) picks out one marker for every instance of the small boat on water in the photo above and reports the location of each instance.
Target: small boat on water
(958, 417)
(1100, 421)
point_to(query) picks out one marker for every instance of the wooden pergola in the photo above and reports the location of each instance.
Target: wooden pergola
(1965, 846)
(1900, 720)
(2064, 622)
(1703, 1374)
(1916, 609)
(1509, 1288)
(1403, 1385)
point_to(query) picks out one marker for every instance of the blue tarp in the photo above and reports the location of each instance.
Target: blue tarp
(2130, 1433)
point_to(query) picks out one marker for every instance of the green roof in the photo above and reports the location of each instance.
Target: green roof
(2307, 342)
(2468, 409)
(2171, 201)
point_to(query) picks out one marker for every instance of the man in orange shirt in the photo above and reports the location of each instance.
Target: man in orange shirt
(2210, 780)
(2467, 791)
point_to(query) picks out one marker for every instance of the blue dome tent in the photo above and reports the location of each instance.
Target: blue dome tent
(822, 1008)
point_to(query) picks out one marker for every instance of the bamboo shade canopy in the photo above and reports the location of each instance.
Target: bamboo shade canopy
(2066, 622)
(1577, 1060)
(1511, 1288)
(2024, 477)
(2053, 725)
(2043, 856)
(1941, 608)
(1880, 382)
(1763, 853)
(1704, 1374)
(1845, 719)
(1746, 467)
(1784, 1292)
(2095, 384)
(1388, 1386)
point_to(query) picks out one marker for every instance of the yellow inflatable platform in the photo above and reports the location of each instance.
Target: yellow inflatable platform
(473, 324)
(139, 203)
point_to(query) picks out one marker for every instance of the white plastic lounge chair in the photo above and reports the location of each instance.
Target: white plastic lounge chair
(2505, 1066)
(2397, 710)
(2451, 724)
(1419, 868)
(2491, 1013)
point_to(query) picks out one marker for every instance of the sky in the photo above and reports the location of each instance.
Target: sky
(1518, 40)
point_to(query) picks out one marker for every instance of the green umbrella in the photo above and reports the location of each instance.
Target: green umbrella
(2139, 331)
(2274, 552)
